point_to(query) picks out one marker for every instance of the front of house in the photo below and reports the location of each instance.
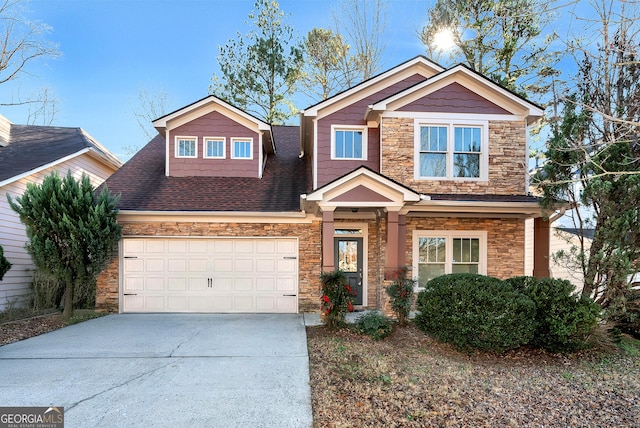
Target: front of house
(418, 166)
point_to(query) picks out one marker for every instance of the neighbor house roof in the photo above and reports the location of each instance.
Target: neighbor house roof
(31, 147)
(143, 185)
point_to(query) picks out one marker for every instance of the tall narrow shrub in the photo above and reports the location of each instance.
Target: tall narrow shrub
(337, 298)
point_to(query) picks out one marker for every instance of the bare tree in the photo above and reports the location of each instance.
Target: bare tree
(150, 105)
(362, 23)
(23, 41)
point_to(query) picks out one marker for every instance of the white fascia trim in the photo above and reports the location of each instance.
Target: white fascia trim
(315, 154)
(403, 68)
(125, 216)
(162, 122)
(102, 151)
(452, 116)
(444, 206)
(43, 167)
(532, 109)
(167, 155)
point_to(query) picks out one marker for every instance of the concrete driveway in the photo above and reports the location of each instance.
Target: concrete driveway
(166, 370)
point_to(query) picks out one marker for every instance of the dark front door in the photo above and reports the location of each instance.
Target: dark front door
(348, 258)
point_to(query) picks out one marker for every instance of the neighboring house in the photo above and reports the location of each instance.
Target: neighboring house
(28, 153)
(417, 166)
(561, 239)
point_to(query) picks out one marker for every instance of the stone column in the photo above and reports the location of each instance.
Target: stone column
(327, 241)
(392, 244)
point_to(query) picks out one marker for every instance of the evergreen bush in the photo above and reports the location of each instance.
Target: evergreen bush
(337, 298)
(374, 325)
(401, 294)
(475, 311)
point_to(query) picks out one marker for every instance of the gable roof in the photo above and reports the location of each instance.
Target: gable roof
(461, 74)
(30, 148)
(419, 62)
(143, 185)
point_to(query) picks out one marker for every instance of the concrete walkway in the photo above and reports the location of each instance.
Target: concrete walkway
(166, 370)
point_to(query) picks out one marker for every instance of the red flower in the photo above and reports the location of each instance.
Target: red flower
(349, 288)
(350, 306)
(325, 298)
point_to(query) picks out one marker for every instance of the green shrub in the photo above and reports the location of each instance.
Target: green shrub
(47, 291)
(475, 311)
(629, 321)
(401, 294)
(564, 320)
(374, 325)
(337, 298)
(4, 264)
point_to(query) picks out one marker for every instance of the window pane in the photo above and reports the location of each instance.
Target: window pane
(339, 144)
(476, 145)
(424, 138)
(464, 268)
(475, 250)
(458, 140)
(433, 140)
(443, 138)
(242, 149)
(427, 272)
(433, 164)
(466, 165)
(348, 144)
(186, 147)
(357, 144)
(348, 256)
(214, 148)
(432, 250)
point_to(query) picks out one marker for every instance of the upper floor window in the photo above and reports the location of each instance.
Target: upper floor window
(451, 151)
(214, 148)
(348, 142)
(242, 148)
(186, 147)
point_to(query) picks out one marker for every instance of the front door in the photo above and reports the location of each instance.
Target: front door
(348, 258)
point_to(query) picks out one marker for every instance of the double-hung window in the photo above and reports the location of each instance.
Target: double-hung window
(451, 151)
(186, 147)
(438, 253)
(214, 147)
(242, 148)
(349, 142)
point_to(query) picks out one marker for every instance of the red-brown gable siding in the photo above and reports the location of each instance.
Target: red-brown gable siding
(353, 114)
(213, 124)
(454, 98)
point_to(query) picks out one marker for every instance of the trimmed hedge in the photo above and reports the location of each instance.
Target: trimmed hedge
(476, 311)
(563, 319)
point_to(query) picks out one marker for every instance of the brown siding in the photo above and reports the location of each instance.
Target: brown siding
(505, 240)
(507, 167)
(454, 98)
(213, 124)
(308, 248)
(353, 114)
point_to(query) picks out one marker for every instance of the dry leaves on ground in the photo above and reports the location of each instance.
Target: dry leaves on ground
(23, 329)
(410, 380)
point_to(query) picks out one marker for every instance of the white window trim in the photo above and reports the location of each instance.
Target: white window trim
(232, 148)
(224, 147)
(451, 125)
(362, 128)
(449, 235)
(177, 146)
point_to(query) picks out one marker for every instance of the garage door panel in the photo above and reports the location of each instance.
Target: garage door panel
(210, 275)
(155, 265)
(177, 265)
(154, 283)
(177, 284)
(223, 265)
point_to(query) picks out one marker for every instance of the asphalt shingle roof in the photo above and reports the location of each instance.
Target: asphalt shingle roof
(143, 186)
(32, 146)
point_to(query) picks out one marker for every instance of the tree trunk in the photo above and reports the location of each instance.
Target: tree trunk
(68, 298)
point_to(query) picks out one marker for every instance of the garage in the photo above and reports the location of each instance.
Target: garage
(226, 275)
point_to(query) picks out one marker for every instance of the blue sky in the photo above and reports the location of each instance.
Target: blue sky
(111, 49)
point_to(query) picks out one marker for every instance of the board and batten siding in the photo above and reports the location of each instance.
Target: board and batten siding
(15, 286)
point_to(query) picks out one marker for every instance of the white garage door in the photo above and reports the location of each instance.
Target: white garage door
(210, 275)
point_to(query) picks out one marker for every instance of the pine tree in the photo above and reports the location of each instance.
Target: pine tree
(72, 235)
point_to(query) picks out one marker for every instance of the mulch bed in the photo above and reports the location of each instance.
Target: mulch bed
(410, 380)
(23, 329)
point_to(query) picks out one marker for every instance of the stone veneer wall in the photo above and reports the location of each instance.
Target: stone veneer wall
(309, 248)
(505, 240)
(507, 166)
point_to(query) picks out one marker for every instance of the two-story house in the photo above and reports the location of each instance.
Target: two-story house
(418, 166)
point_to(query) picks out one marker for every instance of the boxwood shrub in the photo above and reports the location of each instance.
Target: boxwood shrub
(563, 319)
(375, 325)
(475, 311)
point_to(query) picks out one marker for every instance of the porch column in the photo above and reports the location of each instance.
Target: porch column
(541, 233)
(327, 241)
(402, 240)
(392, 244)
